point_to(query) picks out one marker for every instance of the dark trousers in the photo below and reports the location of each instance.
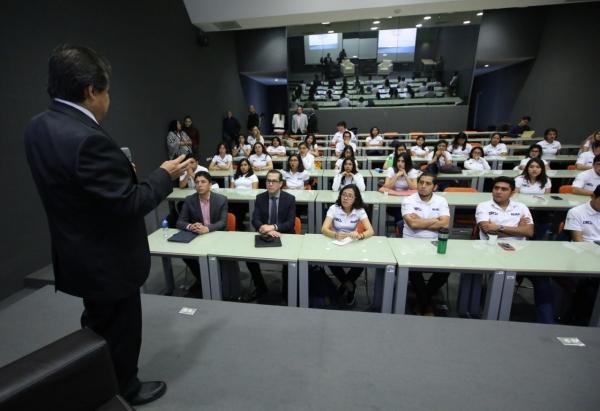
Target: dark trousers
(119, 322)
(426, 291)
(194, 267)
(259, 281)
(343, 277)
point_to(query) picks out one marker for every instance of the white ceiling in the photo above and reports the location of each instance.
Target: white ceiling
(252, 14)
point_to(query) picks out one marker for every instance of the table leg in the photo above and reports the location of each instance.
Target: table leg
(302, 283)
(311, 216)
(250, 209)
(595, 318)
(379, 216)
(388, 289)
(507, 296)
(401, 290)
(318, 214)
(168, 273)
(205, 278)
(292, 284)
(452, 209)
(215, 278)
(493, 296)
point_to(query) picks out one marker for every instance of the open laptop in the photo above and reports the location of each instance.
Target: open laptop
(527, 134)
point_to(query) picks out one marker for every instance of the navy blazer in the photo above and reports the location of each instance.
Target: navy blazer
(94, 204)
(286, 213)
(192, 213)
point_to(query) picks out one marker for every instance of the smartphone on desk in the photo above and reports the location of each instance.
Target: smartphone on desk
(506, 246)
(556, 197)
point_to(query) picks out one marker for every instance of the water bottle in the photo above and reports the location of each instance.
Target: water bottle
(378, 170)
(165, 228)
(443, 235)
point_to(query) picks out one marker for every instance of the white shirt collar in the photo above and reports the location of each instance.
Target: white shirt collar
(510, 205)
(78, 107)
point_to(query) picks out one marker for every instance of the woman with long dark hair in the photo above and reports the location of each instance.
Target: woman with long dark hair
(178, 142)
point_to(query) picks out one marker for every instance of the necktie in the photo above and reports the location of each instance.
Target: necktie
(273, 212)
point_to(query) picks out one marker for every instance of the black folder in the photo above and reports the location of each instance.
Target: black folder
(266, 241)
(183, 236)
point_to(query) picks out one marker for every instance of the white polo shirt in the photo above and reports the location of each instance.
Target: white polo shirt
(459, 151)
(490, 211)
(339, 136)
(245, 182)
(437, 206)
(338, 163)
(191, 183)
(222, 161)
(276, 150)
(472, 164)
(585, 219)
(295, 181)
(401, 183)
(445, 158)
(308, 161)
(251, 140)
(343, 222)
(258, 161)
(524, 162)
(586, 158)
(549, 148)
(374, 141)
(500, 148)
(588, 180)
(339, 147)
(526, 187)
(339, 182)
(418, 151)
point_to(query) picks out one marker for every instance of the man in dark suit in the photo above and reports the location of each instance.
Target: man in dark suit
(95, 208)
(274, 214)
(202, 213)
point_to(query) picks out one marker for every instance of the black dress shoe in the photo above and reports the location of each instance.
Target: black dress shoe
(148, 392)
(256, 295)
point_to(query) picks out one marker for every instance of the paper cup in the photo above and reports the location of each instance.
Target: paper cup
(492, 239)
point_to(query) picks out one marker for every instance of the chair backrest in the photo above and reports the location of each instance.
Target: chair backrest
(460, 190)
(475, 144)
(231, 222)
(565, 189)
(297, 225)
(571, 167)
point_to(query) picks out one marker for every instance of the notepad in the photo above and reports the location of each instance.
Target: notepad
(183, 236)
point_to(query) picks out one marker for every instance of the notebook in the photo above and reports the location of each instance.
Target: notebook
(259, 241)
(183, 236)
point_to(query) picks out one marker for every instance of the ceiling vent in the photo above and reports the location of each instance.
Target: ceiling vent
(228, 25)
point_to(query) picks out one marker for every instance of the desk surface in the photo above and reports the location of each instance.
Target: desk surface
(374, 250)
(159, 245)
(240, 245)
(231, 356)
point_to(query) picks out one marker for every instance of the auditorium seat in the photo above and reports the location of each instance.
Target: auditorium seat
(385, 67)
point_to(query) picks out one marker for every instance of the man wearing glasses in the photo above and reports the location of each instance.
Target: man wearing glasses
(274, 214)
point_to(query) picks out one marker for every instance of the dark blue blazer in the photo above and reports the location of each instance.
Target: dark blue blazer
(286, 213)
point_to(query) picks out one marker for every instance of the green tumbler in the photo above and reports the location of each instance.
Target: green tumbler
(442, 244)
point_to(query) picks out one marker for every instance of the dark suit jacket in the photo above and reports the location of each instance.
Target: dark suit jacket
(286, 213)
(94, 204)
(192, 213)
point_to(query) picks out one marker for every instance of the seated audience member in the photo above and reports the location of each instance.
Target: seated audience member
(202, 213)
(243, 179)
(419, 149)
(534, 180)
(274, 214)
(550, 145)
(186, 180)
(348, 175)
(424, 214)
(308, 160)
(242, 148)
(295, 176)
(344, 101)
(535, 151)
(347, 153)
(585, 160)
(178, 142)
(496, 146)
(398, 148)
(402, 176)
(222, 160)
(476, 160)
(339, 147)
(587, 143)
(512, 221)
(586, 182)
(522, 125)
(339, 135)
(255, 137)
(460, 145)
(583, 221)
(439, 155)
(311, 142)
(259, 159)
(375, 139)
(276, 149)
(341, 222)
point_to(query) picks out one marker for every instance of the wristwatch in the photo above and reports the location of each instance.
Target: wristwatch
(501, 228)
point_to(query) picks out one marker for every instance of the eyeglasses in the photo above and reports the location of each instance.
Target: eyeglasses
(348, 196)
(273, 181)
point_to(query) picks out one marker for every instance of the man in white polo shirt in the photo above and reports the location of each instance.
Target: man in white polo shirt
(339, 135)
(512, 220)
(586, 182)
(424, 214)
(583, 221)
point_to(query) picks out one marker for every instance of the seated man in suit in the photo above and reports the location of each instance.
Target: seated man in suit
(202, 213)
(274, 214)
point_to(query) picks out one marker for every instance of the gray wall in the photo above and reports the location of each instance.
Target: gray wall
(159, 73)
(262, 50)
(400, 119)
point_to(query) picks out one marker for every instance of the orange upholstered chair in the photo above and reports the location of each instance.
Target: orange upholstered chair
(230, 222)
(566, 189)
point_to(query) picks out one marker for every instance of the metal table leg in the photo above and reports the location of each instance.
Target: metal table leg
(388, 289)
(302, 283)
(215, 278)
(292, 284)
(401, 290)
(168, 273)
(507, 295)
(494, 296)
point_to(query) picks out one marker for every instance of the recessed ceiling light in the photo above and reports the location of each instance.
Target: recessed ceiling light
(427, 18)
(467, 22)
(384, 55)
(376, 22)
(419, 25)
(373, 28)
(480, 13)
(276, 79)
(354, 57)
(325, 22)
(331, 31)
(389, 17)
(487, 65)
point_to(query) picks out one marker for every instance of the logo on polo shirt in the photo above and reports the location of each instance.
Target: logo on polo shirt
(492, 213)
(339, 220)
(586, 222)
(515, 214)
(418, 209)
(435, 209)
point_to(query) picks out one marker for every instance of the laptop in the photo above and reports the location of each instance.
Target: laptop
(527, 134)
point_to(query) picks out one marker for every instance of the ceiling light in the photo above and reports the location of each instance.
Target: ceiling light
(427, 18)
(467, 22)
(325, 22)
(376, 22)
(373, 28)
(487, 65)
(385, 55)
(480, 13)
(389, 17)
(419, 25)
(354, 57)
(331, 31)
(276, 79)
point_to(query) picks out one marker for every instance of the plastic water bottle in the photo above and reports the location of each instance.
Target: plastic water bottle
(165, 228)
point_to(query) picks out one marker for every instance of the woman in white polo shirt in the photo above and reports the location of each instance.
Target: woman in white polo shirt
(534, 180)
(341, 222)
(294, 175)
(496, 146)
(243, 179)
(389, 161)
(535, 151)
(347, 153)
(375, 138)
(259, 159)
(276, 149)
(222, 160)
(348, 175)
(402, 176)
(550, 145)
(587, 143)
(460, 145)
(439, 155)
(242, 148)
(419, 149)
(476, 160)
(255, 137)
(308, 160)
(311, 142)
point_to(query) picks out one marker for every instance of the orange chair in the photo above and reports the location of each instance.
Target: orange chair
(565, 189)
(297, 225)
(475, 144)
(571, 167)
(465, 218)
(360, 228)
(230, 222)
(416, 134)
(460, 190)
